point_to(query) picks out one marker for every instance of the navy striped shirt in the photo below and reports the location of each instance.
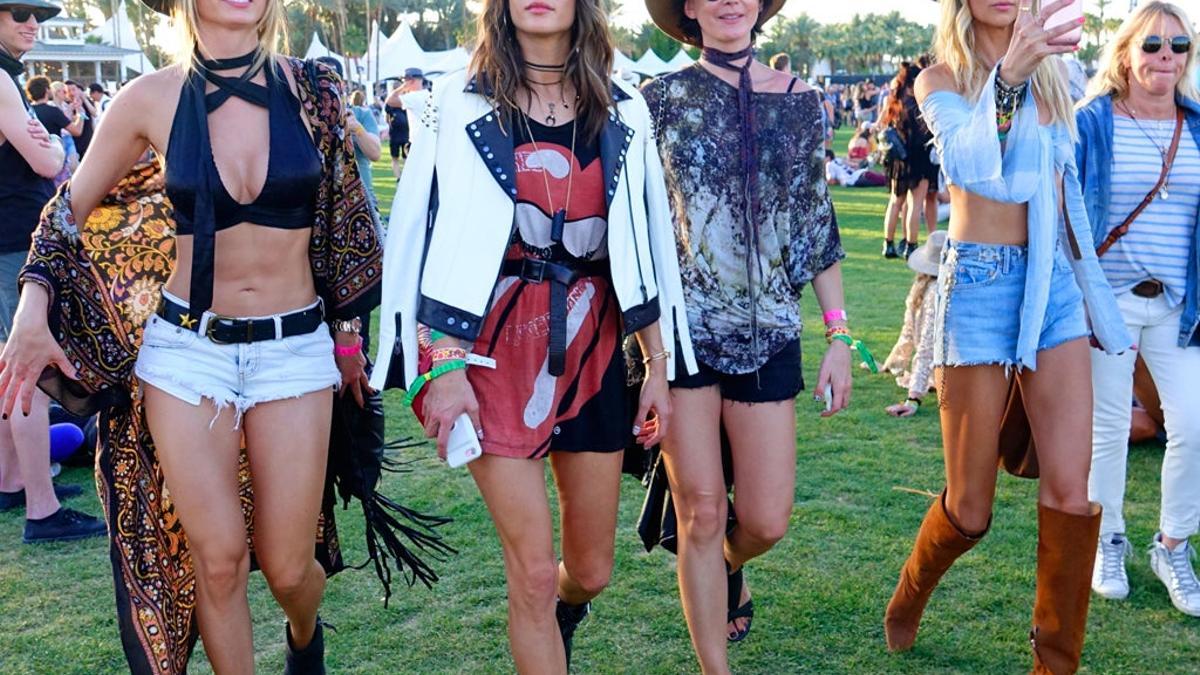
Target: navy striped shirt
(1159, 241)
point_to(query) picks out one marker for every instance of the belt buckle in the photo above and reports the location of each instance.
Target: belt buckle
(214, 320)
(536, 277)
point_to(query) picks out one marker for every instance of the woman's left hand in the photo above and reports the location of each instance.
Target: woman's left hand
(835, 373)
(353, 369)
(655, 398)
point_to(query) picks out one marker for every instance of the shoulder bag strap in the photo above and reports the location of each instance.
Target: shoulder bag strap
(1123, 228)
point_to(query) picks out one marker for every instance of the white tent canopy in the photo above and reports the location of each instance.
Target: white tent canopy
(680, 60)
(651, 65)
(399, 52)
(622, 63)
(118, 32)
(448, 61)
(317, 49)
(374, 52)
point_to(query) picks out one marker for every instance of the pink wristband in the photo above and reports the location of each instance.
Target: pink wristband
(835, 315)
(348, 351)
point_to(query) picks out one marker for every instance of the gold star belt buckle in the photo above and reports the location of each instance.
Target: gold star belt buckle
(187, 321)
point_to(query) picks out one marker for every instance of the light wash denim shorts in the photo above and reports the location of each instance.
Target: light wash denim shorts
(189, 366)
(980, 291)
(10, 269)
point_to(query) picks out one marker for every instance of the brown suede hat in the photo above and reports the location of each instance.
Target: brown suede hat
(668, 16)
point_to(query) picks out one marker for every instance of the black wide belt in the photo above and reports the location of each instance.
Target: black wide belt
(561, 274)
(1150, 288)
(225, 330)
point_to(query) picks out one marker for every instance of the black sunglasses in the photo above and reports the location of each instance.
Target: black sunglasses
(22, 14)
(1180, 44)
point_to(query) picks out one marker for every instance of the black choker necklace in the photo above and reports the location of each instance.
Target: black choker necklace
(230, 63)
(546, 68)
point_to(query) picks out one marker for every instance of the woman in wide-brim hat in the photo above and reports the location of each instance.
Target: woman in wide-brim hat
(270, 220)
(743, 153)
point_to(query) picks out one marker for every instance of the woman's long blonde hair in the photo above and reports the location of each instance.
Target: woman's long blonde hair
(1113, 76)
(954, 46)
(272, 31)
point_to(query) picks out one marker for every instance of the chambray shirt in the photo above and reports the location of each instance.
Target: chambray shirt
(1025, 171)
(1093, 154)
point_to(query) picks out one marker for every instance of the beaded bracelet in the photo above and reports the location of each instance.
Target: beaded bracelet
(1008, 100)
(834, 331)
(858, 346)
(414, 389)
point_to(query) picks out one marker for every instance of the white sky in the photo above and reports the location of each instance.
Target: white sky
(921, 11)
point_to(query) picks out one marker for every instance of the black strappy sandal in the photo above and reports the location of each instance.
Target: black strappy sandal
(746, 611)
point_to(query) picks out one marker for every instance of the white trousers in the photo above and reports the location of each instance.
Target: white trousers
(1176, 372)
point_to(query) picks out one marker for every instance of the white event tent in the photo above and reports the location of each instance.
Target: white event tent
(651, 65)
(117, 31)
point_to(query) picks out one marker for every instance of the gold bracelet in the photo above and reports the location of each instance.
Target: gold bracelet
(661, 356)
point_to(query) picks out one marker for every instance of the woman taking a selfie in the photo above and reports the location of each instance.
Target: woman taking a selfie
(1011, 304)
(272, 236)
(537, 194)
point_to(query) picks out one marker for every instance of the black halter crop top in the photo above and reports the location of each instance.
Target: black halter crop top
(202, 204)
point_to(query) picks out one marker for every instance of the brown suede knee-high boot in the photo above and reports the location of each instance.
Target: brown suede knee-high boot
(939, 543)
(1064, 572)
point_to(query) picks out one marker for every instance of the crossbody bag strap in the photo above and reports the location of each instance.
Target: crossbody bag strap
(1122, 229)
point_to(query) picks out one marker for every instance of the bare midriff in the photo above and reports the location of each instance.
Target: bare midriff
(257, 271)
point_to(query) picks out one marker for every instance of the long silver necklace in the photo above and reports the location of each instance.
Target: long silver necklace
(1164, 149)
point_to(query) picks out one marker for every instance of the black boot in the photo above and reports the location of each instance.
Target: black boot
(889, 249)
(307, 661)
(569, 617)
(909, 247)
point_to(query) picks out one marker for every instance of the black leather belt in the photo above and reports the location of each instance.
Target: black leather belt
(561, 274)
(225, 330)
(1150, 288)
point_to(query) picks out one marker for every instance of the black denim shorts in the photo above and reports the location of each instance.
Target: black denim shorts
(779, 379)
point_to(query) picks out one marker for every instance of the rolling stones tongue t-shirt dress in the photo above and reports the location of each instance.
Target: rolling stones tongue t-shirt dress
(524, 410)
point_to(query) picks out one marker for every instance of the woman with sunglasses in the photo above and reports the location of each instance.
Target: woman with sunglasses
(530, 234)
(1143, 116)
(209, 332)
(1012, 291)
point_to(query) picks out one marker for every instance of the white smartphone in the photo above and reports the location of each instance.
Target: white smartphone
(1070, 14)
(463, 444)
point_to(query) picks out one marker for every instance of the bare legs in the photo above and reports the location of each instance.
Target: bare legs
(200, 465)
(915, 204)
(762, 437)
(515, 493)
(25, 458)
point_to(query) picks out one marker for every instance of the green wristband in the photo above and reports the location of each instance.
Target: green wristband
(861, 348)
(419, 383)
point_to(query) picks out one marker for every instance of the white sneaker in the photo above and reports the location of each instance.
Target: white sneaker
(1174, 569)
(1109, 579)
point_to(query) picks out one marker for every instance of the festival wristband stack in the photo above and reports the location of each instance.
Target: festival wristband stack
(835, 315)
(437, 371)
(842, 334)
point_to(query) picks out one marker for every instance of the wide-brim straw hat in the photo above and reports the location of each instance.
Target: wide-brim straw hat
(160, 6)
(668, 16)
(48, 10)
(928, 256)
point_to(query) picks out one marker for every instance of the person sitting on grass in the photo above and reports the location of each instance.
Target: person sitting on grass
(838, 172)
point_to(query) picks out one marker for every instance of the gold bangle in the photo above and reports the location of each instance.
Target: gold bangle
(661, 356)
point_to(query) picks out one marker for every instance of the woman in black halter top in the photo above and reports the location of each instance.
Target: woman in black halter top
(239, 346)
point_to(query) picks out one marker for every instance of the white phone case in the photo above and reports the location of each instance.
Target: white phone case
(463, 445)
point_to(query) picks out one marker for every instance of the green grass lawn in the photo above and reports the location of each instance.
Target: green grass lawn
(819, 595)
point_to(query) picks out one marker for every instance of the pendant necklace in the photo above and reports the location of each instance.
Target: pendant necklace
(559, 218)
(1164, 152)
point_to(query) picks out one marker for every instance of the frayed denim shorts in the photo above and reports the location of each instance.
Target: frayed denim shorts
(980, 291)
(190, 367)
